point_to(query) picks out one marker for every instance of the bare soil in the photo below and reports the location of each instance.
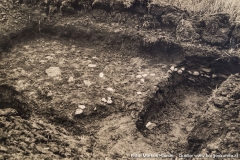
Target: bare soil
(127, 73)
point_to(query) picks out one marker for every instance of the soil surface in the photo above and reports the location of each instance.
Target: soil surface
(122, 80)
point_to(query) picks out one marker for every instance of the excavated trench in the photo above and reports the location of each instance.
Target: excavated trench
(180, 100)
(154, 120)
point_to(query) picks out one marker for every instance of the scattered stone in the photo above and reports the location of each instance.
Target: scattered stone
(179, 71)
(87, 83)
(49, 57)
(144, 75)
(190, 72)
(183, 69)
(196, 73)
(109, 101)
(53, 71)
(172, 68)
(78, 111)
(101, 75)
(92, 65)
(138, 76)
(208, 70)
(139, 93)
(191, 79)
(104, 100)
(110, 89)
(152, 74)
(142, 80)
(71, 79)
(214, 75)
(81, 107)
(43, 61)
(175, 69)
(150, 125)
(49, 94)
(205, 75)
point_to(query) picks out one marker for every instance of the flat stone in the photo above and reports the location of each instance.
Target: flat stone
(92, 65)
(53, 71)
(81, 107)
(196, 73)
(139, 93)
(110, 89)
(78, 111)
(150, 125)
(208, 70)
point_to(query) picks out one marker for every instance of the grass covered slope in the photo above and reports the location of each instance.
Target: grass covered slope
(231, 7)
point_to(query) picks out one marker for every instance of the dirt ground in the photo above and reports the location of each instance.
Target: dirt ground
(86, 83)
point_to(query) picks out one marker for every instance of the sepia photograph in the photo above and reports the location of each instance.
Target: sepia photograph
(119, 79)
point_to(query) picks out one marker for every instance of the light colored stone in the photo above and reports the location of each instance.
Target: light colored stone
(101, 75)
(92, 65)
(78, 111)
(196, 73)
(110, 89)
(53, 71)
(139, 93)
(214, 75)
(179, 71)
(81, 107)
(150, 125)
(183, 69)
(208, 70)
(104, 100)
(109, 102)
(139, 76)
(172, 68)
(71, 79)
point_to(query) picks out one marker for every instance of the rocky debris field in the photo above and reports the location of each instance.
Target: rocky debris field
(102, 80)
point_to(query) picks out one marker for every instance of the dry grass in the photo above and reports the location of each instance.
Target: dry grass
(209, 6)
